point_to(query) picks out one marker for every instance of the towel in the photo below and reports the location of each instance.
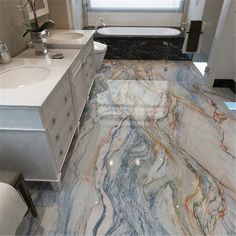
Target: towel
(12, 209)
(193, 37)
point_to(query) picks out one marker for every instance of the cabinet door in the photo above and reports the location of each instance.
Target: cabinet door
(28, 152)
(52, 106)
(89, 69)
(79, 92)
(67, 135)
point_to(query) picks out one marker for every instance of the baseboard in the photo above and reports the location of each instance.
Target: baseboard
(225, 83)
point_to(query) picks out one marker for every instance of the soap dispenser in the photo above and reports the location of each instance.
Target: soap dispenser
(4, 53)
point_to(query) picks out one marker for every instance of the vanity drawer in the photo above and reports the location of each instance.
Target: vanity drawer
(76, 67)
(88, 63)
(89, 70)
(77, 74)
(88, 47)
(60, 117)
(67, 135)
(89, 79)
(79, 92)
(56, 133)
(88, 52)
(55, 99)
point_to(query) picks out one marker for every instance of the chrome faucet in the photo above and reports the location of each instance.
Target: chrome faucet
(4, 53)
(97, 23)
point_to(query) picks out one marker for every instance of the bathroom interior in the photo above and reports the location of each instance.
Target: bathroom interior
(117, 117)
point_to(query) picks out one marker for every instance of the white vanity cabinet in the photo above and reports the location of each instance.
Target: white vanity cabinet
(38, 123)
(35, 140)
(59, 118)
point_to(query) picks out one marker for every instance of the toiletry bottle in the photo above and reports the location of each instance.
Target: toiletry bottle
(4, 54)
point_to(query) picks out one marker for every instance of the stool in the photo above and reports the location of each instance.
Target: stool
(16, 180)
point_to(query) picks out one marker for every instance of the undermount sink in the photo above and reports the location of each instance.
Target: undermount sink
(66, 36)
(22, 77)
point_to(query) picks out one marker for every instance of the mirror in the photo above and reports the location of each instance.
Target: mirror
(42, 9)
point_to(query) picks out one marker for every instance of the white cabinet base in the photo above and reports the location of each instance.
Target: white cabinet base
(35, 139)
(57, 186)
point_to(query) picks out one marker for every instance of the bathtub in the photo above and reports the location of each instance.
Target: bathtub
(142, 43)
(139, 31)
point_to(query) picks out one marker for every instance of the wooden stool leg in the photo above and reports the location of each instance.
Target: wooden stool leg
(26, 195)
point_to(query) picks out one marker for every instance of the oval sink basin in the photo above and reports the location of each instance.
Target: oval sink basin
(67, 36)
(23, 76)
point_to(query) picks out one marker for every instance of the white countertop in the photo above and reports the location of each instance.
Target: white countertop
(76, 43)
(34, 95)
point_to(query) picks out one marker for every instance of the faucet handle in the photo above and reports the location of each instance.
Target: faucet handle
(96, 23)
(99, 18)
(3, 47)
(4, 53)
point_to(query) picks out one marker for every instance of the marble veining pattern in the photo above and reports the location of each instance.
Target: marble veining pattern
(155, 156)
(145, 48)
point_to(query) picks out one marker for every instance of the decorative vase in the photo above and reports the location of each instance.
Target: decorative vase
(39, 40)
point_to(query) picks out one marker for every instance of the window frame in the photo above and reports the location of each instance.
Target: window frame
(179, 10)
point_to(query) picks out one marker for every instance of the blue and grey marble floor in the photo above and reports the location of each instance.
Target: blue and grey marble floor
(156, 155)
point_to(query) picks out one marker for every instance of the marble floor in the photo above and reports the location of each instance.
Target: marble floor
(155, 155)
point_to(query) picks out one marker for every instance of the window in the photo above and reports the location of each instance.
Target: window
(136, 5)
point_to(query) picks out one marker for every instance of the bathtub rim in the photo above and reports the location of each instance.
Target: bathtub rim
(99, 35)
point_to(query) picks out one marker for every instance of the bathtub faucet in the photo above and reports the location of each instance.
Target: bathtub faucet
(97, 23)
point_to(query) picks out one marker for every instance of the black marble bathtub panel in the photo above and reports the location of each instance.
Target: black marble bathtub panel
(225, 83)
(143, 48)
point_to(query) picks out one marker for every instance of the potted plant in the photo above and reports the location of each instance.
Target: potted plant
(38, 32)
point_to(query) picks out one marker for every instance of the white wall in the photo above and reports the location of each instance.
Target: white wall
(136, 19)
(76, 7)
(67, 14)
(211, 15)
(195, 11)
(223, 67)
(11, 27)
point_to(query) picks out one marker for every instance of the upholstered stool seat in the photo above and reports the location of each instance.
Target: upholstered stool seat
(16, 180)
(9, 177)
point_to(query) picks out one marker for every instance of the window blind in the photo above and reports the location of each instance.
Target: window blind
(136, 5)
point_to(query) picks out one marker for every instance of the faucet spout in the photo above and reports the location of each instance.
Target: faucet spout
(97, 23)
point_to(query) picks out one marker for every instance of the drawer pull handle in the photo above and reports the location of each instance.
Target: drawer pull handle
(57, 137)
(65, 99)
(68, 114)
(61, 152)
(54, 120)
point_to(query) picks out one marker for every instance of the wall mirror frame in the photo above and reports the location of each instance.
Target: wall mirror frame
(40, 12)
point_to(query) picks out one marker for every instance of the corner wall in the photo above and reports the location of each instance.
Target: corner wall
(67, 14)
(211, 15)
(195, 10)
(58, 13)
(224, 61)
(11, 27)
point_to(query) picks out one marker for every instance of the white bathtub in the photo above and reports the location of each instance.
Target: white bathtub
(139, 31)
